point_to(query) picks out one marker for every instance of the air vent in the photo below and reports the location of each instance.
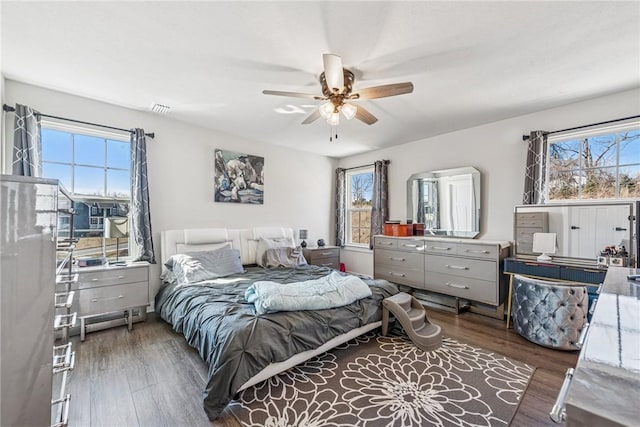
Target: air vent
(160, 109)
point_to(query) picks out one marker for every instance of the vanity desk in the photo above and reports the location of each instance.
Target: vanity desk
(566, 270)
(604, 388)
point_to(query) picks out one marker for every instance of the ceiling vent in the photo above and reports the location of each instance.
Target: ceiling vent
(160, 109)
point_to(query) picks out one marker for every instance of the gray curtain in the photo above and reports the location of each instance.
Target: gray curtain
(140, 213)
(27, 148)
(536, 169)
(379, 199)
(341, 206)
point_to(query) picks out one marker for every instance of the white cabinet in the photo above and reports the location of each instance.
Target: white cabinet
(111, 289)
(28, 208)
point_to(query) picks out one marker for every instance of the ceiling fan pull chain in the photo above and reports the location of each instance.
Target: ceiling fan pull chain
(331, 134)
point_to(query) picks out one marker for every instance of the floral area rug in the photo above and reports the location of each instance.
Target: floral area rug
(387, 381)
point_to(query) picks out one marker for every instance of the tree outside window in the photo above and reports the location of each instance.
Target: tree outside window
(591, 167)
(360, 190)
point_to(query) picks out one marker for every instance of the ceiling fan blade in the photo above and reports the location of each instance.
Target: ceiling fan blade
(333, 72)
(365, 116)
(385, 90)
(312, 117)
(293, 94)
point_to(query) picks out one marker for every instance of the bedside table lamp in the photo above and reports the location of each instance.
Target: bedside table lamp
(544, 243)
(303, 234)
(116, 227)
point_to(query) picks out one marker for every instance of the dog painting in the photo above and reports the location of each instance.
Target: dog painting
(239, 178)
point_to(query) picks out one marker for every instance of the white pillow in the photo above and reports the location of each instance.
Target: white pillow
(266, 244)
(182, 248)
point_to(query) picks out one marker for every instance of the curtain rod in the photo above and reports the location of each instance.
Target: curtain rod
(386, 162)
(526, 137)
(10, 109)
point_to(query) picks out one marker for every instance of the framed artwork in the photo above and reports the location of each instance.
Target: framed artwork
(239, 178)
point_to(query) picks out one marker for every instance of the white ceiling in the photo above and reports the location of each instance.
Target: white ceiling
(471, 62)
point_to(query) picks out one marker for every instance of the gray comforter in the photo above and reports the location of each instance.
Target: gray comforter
(236, 343)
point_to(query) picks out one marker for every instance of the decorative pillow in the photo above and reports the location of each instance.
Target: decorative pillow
(195, 267)
(284, 256)
(265, 244)
(183, 248)
(167, 275)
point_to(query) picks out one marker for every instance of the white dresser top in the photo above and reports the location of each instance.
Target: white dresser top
(502, 243)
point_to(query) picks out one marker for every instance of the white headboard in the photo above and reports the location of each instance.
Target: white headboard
(245, 239)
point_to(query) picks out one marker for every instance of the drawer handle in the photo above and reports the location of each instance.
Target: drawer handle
(409, 246)
(107, 299)
(396, 259)
(396, 274)
(583, 336)
(558, 412)
(457, 286)
(328, 264)
(108, 278)
(593, 307)
(473, 251)
(326, 253)
(456, 267)
(441, 248)
(599, 288)
(386, 243)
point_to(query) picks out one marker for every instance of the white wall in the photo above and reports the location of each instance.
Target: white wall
(496, 149)
(298, 186)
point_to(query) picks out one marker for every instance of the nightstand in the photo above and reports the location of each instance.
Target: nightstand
(326, 256)
(106, 289)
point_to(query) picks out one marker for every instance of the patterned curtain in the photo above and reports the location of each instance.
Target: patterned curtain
(341, 206)
(27, 149)
(140, 213)
(379, 199)
(536, 169)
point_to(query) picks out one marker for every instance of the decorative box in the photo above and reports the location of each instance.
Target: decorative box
(398, 230)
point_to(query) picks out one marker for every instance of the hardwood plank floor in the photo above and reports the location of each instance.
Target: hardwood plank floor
(151, 377)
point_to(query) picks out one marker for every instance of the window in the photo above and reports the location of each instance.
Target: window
(94, 167)
(359, 192)
(598, 164)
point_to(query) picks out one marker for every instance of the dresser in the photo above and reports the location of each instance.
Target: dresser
(111, 289)
(604, 387)
(525, 224)
(469, 270)
(326, 256)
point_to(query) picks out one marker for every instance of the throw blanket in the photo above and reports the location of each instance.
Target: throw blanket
(334, 290)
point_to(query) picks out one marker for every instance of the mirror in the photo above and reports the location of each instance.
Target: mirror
(582, 229)
(447, 202)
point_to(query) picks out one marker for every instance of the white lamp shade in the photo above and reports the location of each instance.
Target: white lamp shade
(334, 119)
(349, 110)
(545, 243)
(116, 227)
(326, 109)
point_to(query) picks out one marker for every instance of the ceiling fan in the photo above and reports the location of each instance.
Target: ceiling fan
(337, 90)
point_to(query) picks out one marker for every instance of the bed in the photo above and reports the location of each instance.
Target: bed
(240, 347)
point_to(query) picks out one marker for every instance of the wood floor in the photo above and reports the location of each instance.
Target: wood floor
(151, 377)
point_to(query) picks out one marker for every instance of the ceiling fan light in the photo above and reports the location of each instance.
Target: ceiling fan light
(326, 109)
(349, 110)
(334, 119)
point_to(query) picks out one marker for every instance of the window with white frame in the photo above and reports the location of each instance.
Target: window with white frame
(359, 183)
(94, 167)
(601, 163)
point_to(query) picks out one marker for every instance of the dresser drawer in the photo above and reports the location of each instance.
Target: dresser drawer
(478, 251)
(440, 248)
(479, 269)
(385, 243)
(405, 260)
(464, 287)
(411, 245)
(530, 219)
(400, 275)
(107, 276)
(107, 299)
(321, 254)
(524, 239)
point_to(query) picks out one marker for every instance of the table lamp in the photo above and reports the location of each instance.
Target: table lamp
(545, 243)
(116, 227)
(303, 234)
